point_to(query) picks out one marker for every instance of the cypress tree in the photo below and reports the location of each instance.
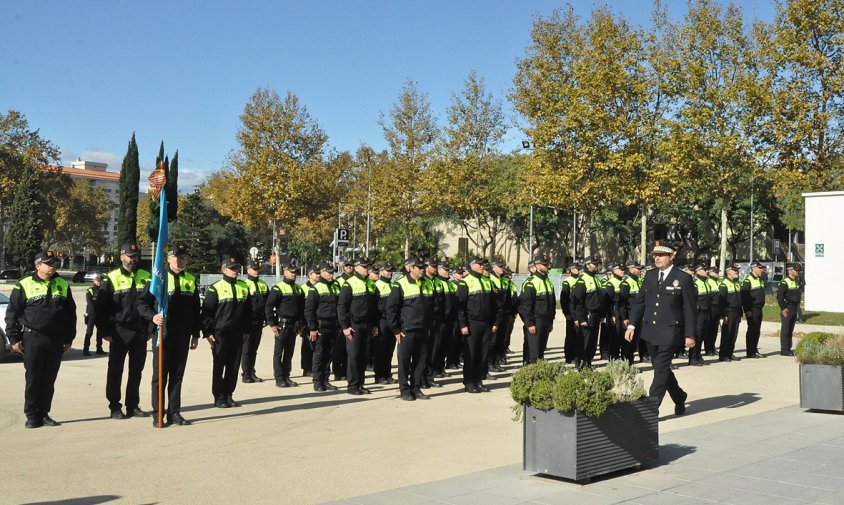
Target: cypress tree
(127, 212)
(172, 189)
(152, 227)
(26, 231)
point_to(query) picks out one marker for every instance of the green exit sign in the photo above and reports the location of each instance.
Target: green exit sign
(818, 250)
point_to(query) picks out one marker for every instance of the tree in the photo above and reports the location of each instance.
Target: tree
(208, 235)
(155, 203)
(26, 231)
(127, 210)
(172, 189)
(411, 132)
(22, 151)
(79, 218)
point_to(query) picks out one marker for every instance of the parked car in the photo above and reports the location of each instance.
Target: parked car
(12, 274)
(5, 345)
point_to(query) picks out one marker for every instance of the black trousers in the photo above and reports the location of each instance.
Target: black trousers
(433, 341)
(132, 343)
(703, 325)
(227, 351)
(712, 336)
(357, 355)
(90, 324)
(42, 357)
(754, 327)
(442, 343)
(285, 344)
(413, 351)
(787, 328)
(306, 351)
(604, 337)
(615, 334)
(339, 357)
(589, 339)
(455, 348)
(538, 342)
(176, 349)
(385, 345)
(664, 379)
(251, 342)
(570, 347)
(323, 348)
(476, 352)
(629, 348)
(729, 334)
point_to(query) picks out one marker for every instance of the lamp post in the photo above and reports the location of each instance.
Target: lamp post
(526, 146)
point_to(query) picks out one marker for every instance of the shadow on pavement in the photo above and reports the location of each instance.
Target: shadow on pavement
(86, 500)
(233, 412)
(718, 402)
(673, 452)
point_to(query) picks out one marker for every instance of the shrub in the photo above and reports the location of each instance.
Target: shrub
(628, 384)
(818, 348)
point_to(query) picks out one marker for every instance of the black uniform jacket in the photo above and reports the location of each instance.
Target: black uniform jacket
(182, 310)
(56, 316)
(229, 318)
(668, 313)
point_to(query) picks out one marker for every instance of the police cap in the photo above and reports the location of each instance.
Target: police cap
(479, 260)
(290, 267)
(177, 250)
(595, 260)
(230, 262)
(542, 259)
(326, 267)
(386, 267)
(45, 257)
(662, 248)
(793, 266)
(129, 249)
(363, 261)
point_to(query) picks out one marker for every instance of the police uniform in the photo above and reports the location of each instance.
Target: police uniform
(226, 316)
(385, 341)
(570, 344)
(537, 306)
(285, 311)
(476, 314)
(617, 296)
(306, 350)
(119, 319)
(355, 314)
(666, 310)
(438, 310)
(454, 352)
(182, 331)
(448, 317)
(630, 285)
(339, 355)
(258, 292)
(503, 299)
(704, 314)
(788, 298)
(729, 295)
(91, 318)
(321, 317)
(41, 316)
(753, 300)
(714, 283)
(587, 301)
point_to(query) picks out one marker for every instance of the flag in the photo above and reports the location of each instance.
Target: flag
(158, 285)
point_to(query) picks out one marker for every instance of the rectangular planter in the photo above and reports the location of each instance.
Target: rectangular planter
(822, 387)
(577, 447)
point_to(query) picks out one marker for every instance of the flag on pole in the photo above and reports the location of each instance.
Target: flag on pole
(158, 285)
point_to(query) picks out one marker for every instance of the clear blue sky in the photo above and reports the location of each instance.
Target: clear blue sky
(89, 73)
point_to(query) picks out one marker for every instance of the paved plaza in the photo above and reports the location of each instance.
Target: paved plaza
(742, 439)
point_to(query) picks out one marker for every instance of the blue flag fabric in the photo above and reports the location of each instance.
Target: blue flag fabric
(158, 285)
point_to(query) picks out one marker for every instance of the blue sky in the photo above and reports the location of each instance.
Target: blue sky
(89, 73)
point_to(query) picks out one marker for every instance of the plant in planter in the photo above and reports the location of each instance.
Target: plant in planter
(582, 423)
(821, 357)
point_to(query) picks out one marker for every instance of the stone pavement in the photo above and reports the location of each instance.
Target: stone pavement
(782, 456)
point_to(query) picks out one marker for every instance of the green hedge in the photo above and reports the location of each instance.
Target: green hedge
(818, 348)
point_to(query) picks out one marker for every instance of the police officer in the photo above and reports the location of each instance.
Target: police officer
(704, 314)
(385, 341)
(183, 328)
(438, 306)
(258, 292)
(752, 301)
(501, 287)
(713, 280)
(455, 348)
(122, 326)
(410, 313)
(447, 321)
(537, 306)
(729, 294)
(354, 311)
(41, 325)
(587, 301)
(91, 316)
(476, 316)
(617, 308)
(570, 345)
(321, 317)
(285, 311)
(226, 318)
(339, 356)
(788, 298)
(306, 354)
(629, 290)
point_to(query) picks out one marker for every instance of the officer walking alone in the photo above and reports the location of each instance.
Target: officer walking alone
(41, 325)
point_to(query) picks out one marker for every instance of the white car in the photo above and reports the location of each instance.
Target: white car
(5, 348)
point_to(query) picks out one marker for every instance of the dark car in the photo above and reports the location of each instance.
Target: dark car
(12, 274)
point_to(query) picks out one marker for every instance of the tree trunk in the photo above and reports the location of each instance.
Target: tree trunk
(406, 240)
(2, 237)
(643, 236)
(722, 264)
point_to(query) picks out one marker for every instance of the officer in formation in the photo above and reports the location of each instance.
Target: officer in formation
(477, 315)
(121, 324)
(438, 308)
(226, 318)
(410, 314)
(385, 341)
(506, 304)
(703, 326)
(321, 318)
(358, 319)
(447, 321)
(306, 354)
(537, 307)
(587, 303)
(730, 300)
(258, 291)
(617, 308)
(454, 352)
(285, 312)
(753, 300)
(713, 280)
(631, 284)
(183, 326)
(339, 356)
(570, 343)
(788, 298)
(41, 325)
(91, 316)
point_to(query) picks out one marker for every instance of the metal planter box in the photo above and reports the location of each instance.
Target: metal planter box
(577, 447)
(822, 387)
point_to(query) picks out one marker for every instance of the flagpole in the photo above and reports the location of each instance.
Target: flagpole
(161, 377)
